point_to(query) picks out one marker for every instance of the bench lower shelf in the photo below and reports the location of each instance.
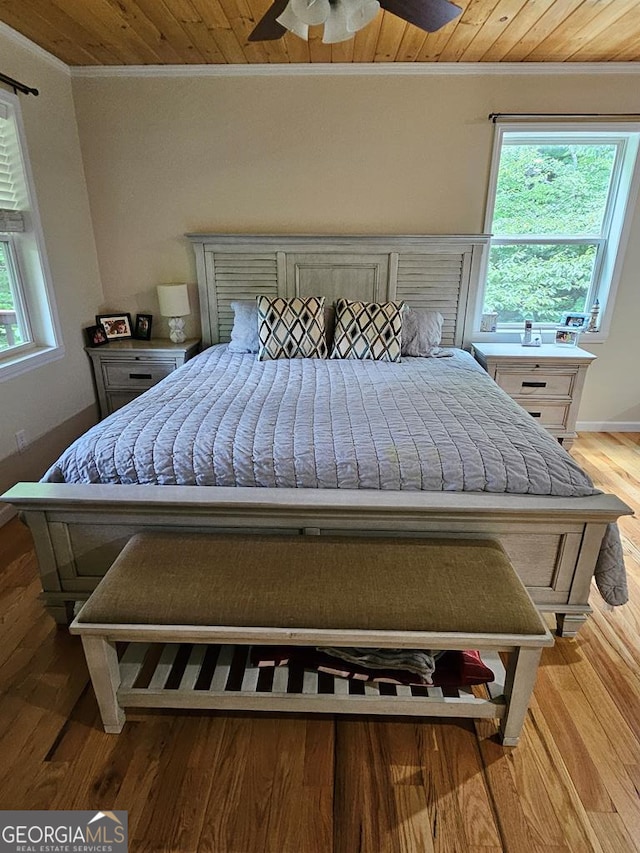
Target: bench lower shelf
(183, 675)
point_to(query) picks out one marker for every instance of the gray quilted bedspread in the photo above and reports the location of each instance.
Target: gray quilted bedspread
(438, 424)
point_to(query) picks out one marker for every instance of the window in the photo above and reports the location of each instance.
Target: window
(28, 326)
(14, 325)
(558, 204)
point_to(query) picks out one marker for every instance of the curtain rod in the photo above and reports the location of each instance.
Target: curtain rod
(495, 116)
(17, 86)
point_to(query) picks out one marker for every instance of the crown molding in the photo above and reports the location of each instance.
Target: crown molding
(26, 44)
(378, 69)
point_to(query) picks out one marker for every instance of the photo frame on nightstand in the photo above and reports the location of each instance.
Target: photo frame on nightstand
(96, 336)
(142, 328)
(575, 320)
(567, 337)
(117, 326)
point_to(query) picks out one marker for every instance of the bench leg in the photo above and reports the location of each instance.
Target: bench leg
(102, 660)
(521, 678)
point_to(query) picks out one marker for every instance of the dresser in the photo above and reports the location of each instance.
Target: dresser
(124, 369)
(547, 381)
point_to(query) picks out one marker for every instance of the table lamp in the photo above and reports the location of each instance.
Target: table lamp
(174, 303)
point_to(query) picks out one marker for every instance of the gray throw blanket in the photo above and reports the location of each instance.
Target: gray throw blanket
(417, 661)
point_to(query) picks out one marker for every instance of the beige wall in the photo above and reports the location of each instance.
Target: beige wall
(165, 156)
(612, 392)
(44, 398)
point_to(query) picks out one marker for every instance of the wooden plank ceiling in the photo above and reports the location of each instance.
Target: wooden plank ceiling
(179, 32)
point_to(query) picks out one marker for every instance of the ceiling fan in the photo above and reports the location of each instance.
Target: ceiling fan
(343, 18)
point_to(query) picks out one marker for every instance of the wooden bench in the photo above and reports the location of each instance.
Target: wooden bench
(189, 591)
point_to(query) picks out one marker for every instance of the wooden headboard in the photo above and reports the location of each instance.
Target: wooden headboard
(438, 273)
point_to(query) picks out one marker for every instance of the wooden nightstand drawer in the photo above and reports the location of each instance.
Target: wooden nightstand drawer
(135, 374)
(118, 399)
(549, 415)
(546, 381)
(125, 369)
(537, 382)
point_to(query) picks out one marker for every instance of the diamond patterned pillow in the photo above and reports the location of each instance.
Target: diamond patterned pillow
(368, 330)
(291, 328)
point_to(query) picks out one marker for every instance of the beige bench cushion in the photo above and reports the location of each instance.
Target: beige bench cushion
(443, 585)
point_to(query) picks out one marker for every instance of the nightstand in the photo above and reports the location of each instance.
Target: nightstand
(124, 369)
(547, 381)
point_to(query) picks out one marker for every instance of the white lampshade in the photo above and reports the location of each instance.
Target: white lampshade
(311, 11)
(174, 300)
(361, 14)
(335, 28)
(291, 21)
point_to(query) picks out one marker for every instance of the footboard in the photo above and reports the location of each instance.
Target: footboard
(552, 542)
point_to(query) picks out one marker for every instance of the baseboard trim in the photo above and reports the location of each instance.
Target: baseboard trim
(608, 426)
(7, 512)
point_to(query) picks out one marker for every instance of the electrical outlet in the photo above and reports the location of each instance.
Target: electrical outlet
(21, 440)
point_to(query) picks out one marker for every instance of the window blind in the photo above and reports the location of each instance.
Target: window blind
(10, 183)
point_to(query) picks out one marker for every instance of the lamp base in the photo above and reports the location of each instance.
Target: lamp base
(176, 330)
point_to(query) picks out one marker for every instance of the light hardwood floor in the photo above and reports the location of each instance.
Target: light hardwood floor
(219, 783)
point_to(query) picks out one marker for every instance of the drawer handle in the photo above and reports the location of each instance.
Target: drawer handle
(139, 376)
(536, 414)
(534, 384)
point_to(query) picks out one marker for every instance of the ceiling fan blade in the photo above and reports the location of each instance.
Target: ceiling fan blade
(429, 15)
(267, 28)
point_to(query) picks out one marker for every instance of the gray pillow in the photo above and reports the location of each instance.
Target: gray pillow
(244, 335)
(421, 332)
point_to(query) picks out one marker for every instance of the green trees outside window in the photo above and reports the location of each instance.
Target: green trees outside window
(550, 220)
(10, 333)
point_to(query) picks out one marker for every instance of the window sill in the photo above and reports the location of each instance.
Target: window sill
(511, 337)
(22, 362)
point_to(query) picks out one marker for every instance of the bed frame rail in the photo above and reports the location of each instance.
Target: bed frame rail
(79, 530)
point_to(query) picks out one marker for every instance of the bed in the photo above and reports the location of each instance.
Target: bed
(424, 447)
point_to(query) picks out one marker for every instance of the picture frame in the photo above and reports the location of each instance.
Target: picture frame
(567, 337)
(96, 336)
(489, 321)
(117, 326)
(142, 328)
(575, 320)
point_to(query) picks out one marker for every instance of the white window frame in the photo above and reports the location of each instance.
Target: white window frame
(30, 270)
(611, 248)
